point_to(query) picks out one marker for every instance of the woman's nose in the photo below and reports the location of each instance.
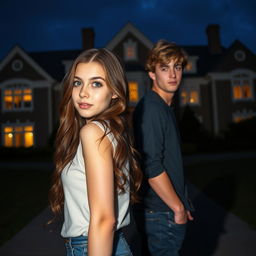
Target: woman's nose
(83, 92)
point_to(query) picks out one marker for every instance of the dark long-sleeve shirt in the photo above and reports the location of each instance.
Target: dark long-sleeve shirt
(158, 141)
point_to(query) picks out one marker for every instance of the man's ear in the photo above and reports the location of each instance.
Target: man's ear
(152, 75)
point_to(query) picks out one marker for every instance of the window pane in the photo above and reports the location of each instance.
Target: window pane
(8, 92)
(27, 91)
(189, 66)
(29, 139)
(8, 129)
(17, 101)
(18, 139)
(133, 91)
(183, 97)
(18, 129)
(194, 97)
(8, 140)
(247, 92)
(28, 128)
(237, 93)
(8, 102)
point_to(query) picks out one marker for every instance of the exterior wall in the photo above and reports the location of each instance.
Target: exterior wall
(225, 103)
(41, 116)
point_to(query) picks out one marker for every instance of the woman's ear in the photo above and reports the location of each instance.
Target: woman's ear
(114, 96)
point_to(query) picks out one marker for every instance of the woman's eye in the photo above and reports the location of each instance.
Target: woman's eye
(96, 84)
(76, 83)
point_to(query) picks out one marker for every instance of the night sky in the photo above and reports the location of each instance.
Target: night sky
(56, 25)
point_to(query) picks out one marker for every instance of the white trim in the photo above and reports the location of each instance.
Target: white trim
(215, 108)
(28, 59)
(228, 75)
(32, 83)
(123, 32)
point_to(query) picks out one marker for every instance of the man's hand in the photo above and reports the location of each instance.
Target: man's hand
(181, 217)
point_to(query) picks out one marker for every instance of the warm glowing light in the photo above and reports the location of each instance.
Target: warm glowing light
(133, 91)
(10, 135)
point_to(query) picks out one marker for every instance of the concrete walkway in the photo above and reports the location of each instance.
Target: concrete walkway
(214, 232)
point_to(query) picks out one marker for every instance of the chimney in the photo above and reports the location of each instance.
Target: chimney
(213, 35)
(88, 38)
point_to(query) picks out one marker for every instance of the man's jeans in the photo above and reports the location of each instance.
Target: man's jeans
(164, 237)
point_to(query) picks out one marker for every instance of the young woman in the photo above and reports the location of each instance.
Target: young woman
(96, 172)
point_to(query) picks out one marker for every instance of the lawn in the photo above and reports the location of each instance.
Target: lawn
(230, 183)
(24, 194)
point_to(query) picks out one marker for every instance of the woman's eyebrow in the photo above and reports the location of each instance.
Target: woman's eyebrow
(97, 77)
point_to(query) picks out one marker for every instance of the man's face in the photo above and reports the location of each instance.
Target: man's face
(167, 77)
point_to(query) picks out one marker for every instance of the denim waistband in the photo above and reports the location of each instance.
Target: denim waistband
(83, 239)
(76, 240)
(167, 213)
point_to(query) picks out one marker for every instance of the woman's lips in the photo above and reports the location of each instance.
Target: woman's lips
(84, 105)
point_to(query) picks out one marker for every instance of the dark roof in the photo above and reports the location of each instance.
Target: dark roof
(52, 61)
(206, 61)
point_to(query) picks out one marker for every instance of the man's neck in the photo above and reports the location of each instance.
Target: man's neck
(167, 97)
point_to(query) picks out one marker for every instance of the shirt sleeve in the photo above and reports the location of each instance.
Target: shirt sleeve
(150, 133)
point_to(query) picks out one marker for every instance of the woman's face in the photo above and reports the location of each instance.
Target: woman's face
(91, 95)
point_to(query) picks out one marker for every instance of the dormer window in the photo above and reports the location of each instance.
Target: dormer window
(191, 67)
(130, 50)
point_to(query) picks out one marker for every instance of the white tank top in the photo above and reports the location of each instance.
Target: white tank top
(76, 207)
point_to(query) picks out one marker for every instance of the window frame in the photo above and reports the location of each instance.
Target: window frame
(241, 76)
(189, 89)
(127, 44)
(14, 131)
(16, 87)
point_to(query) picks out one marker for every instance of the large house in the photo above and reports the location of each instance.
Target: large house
(219, 84)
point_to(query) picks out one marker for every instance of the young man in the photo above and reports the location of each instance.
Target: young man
(166, 206)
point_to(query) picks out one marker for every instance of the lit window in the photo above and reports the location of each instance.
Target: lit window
(17, 98)
(189, 66)
(189, 95)
(133, 91)
(242, 115)
(242, 89)
(130, 50)
(18, 136)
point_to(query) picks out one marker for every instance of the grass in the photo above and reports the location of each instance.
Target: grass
(230, 183)
(24, 194)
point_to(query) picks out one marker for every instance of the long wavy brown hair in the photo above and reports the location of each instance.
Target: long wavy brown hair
(114, 119)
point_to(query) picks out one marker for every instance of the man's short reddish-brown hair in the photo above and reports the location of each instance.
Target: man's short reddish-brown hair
(163, 52)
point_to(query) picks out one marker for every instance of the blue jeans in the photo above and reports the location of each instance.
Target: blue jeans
(164, 237)
(77, 246)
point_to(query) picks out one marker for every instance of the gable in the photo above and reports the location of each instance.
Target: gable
(130, 36)
(18, 64)
(129, 28)
(237, 56)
